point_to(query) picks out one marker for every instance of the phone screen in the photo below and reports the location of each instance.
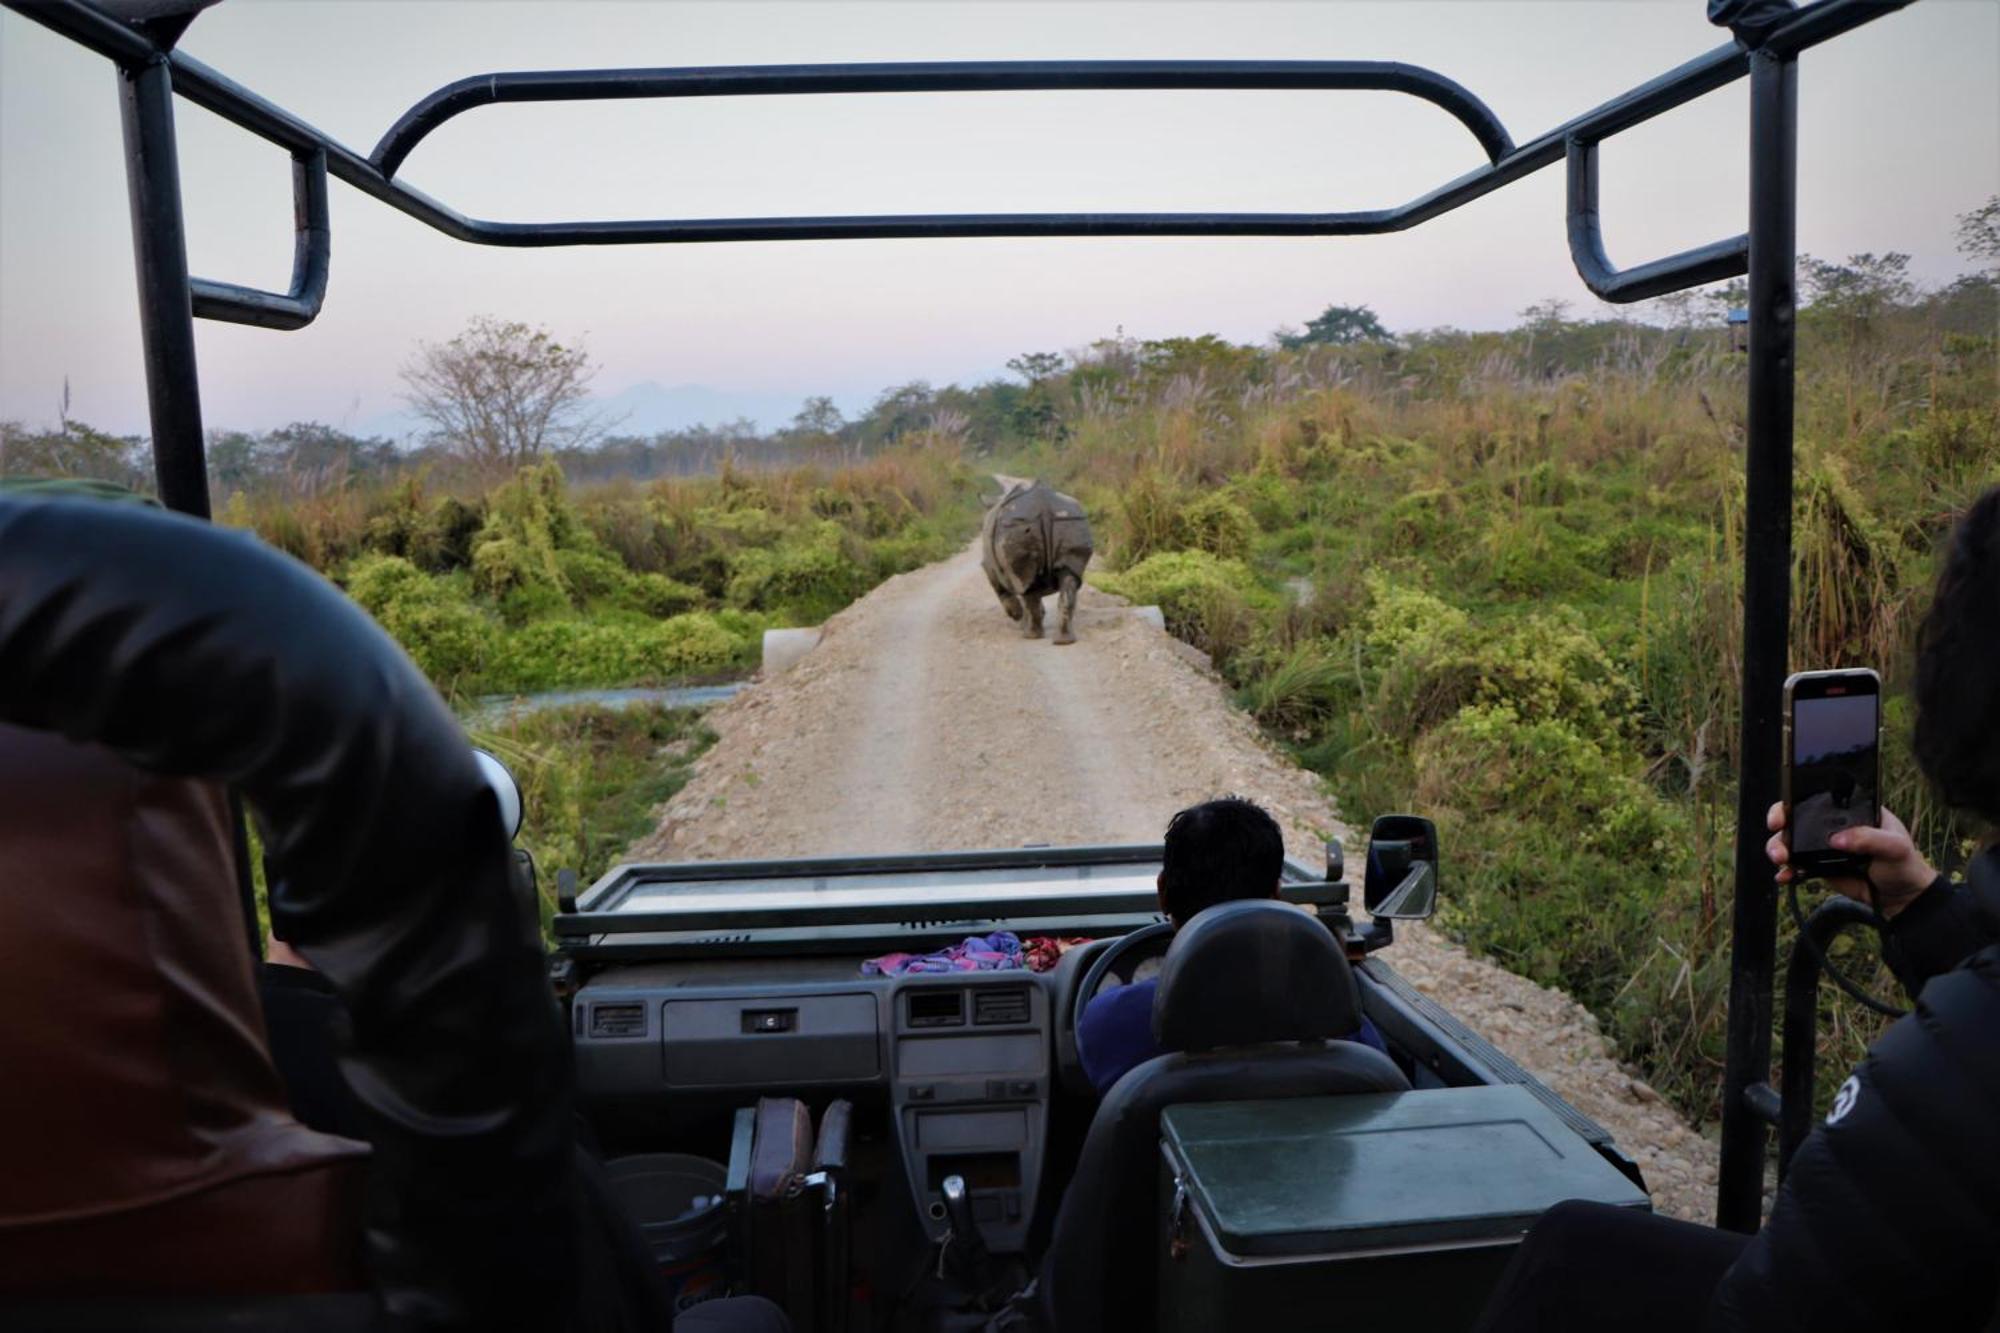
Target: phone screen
(1834, 767)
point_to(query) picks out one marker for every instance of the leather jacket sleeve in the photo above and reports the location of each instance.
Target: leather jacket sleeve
(194, 650)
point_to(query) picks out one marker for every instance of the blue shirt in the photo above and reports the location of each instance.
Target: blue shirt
(1115, 1033)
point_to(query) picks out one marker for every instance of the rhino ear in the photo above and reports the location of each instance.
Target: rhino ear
(987, 499)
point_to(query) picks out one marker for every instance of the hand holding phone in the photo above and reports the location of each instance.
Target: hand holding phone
(1896, 873)
(1832, 774)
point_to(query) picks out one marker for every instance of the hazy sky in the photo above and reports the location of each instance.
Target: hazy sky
(1900, 132)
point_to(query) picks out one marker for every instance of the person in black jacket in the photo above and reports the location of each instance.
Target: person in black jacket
(1889, 1218)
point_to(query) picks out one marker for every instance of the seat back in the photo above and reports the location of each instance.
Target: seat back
(1258, 995)
(195, 651)
(165, 1160)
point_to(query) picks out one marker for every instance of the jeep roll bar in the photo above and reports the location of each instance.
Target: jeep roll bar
(1768, 36)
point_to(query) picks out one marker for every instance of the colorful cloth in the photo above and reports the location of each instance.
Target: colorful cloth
(1002, 951)
(998, 952)
(1043, 952)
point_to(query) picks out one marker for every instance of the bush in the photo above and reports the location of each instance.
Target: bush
(1490, 762)
(576, 654)
(439, 629)
(806, 579)
(1208, 601)
(1217, 524)
(592, 779)
(528, 521)
(1304, 687)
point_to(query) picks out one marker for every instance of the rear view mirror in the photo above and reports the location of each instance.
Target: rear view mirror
(1402, 879)
(505, 790)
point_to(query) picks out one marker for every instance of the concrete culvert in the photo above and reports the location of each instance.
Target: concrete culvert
(784, 647)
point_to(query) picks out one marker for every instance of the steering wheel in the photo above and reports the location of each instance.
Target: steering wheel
(1123, 956)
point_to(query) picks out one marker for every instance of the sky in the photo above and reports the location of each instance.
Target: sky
(1833, 726)
(1900, 132)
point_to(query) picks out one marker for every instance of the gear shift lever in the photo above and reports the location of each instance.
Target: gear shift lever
(976, 1263)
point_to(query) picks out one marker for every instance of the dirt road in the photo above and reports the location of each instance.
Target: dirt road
(924, 722)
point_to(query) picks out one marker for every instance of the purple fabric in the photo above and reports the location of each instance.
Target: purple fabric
(998, 952)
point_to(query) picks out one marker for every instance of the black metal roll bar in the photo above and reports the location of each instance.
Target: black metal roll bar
(1768, 39)
(1791, 1107)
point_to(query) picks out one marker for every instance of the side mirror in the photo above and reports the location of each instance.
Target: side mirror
(504, 787)
(1402, 879)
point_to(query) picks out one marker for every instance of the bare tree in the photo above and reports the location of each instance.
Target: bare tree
(502, 392)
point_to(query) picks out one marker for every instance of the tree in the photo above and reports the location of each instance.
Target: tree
(72, 450)
(1731, 295)
(1979, 232)
(1858, 293)
(502, 393)
(1034, 367)
(1338, 326)
(1548, 316)
(818, 419)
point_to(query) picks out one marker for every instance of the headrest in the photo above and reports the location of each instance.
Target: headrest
(1254, 971)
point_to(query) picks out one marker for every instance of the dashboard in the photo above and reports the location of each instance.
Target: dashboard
(964, 1061)
(695, 988)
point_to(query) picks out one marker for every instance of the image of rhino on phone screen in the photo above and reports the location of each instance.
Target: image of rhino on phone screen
(1036, 541)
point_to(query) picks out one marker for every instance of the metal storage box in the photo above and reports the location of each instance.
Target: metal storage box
(1384, 1210)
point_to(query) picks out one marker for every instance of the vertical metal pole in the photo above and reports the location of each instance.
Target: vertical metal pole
(1767, 573)
(166, 314)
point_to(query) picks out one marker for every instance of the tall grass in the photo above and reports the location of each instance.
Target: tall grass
(1524, 608)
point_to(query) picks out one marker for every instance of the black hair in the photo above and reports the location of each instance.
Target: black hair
(1957, 687)
(1217, 852)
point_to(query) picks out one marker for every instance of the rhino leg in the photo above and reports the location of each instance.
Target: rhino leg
(1033, 629)
(1066, 595)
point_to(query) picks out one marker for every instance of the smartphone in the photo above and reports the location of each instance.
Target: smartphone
(1833, 766)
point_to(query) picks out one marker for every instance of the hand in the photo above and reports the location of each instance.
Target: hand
(1897, 871)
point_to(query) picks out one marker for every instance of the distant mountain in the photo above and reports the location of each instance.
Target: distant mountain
(650, 407)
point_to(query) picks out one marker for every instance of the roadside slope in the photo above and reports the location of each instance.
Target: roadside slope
(924, 722)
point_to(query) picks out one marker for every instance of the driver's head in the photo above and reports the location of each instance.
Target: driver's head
(1217, 852)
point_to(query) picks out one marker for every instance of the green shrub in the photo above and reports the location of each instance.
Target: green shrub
(528, 521)
(592, 780)
(1210, 602)
(1531, 555)
(1489, 762)
(575, 654)
(592, 575)
(1403, 621)
(1217, 524)
(658, 595)
(807, 578)
(1425, 520)
(439, 629)
(1302, 688)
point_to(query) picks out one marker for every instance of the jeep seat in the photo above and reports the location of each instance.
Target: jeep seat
(149, 1147)
(1253, 1001)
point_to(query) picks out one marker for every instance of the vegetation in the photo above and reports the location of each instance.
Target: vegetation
(1493, 577)
(533, 586)
(591, 780)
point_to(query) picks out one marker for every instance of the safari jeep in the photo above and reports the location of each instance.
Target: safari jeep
(871, 1152)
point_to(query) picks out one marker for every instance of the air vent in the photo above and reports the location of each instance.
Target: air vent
(618, 1020)
(999, 1008)
(934, 1007)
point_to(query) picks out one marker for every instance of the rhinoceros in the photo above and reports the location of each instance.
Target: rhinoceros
(1035, 541)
